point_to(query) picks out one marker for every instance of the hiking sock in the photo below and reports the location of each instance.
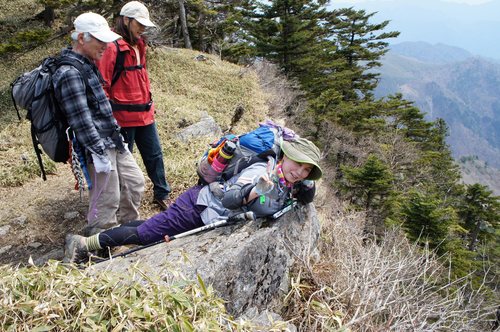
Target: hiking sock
(93, 242)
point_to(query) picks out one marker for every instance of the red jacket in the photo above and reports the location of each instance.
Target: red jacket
(130, 96)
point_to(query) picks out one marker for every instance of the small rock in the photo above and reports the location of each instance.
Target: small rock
(206, 126)
(4, 230)
(267, 321)
(35, 245)
(3, 250)
(201, 57)
(315, 256)
(21, 220)
(71, 215)
(56, 254)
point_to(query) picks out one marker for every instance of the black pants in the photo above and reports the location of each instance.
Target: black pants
(122, 235)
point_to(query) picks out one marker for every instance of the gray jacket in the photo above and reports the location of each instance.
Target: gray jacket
(235, 190)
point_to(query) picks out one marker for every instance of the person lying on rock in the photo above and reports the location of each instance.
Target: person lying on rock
(257, 188)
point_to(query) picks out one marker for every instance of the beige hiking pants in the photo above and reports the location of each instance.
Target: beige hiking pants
(115, 197)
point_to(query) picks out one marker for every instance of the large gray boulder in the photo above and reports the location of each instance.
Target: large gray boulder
(206, 126)
(248, 264)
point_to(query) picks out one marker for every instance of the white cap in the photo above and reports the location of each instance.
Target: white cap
(96, 25)
(137, 11)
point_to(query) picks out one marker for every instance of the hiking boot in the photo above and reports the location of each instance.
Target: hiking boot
(162, 203)
(75, 249)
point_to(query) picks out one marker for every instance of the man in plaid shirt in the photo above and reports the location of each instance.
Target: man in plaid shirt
(117, 181)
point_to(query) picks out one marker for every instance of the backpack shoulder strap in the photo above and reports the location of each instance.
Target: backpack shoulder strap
(78, 65)
(119, 64)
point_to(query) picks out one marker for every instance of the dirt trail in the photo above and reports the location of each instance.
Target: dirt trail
(35, 218)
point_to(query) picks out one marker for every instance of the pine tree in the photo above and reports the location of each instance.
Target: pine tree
(436, 170)
(405, 119)
(203, 26)
(235, 44)
(426, 220)
(359, 45)
(339, 86)
(480, 213)
(370, 183)
(286, 31)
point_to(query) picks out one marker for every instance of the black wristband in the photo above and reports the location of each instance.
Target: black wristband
(246, 190)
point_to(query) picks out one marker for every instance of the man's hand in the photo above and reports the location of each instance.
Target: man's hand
(101, 163)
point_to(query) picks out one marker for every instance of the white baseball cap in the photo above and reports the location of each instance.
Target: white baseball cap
(96, 25)
(137, 11)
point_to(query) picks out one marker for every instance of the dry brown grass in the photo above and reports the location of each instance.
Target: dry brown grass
(390, 285)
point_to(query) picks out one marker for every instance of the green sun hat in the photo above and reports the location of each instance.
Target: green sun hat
(302, 150)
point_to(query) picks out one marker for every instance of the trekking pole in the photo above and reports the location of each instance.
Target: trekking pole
(245, 216)
(224, 221)
(284, 210)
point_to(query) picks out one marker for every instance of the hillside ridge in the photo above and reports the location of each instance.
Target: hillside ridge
(465, 93)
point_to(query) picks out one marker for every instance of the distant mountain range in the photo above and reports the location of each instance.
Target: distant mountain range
(448, 82)
(471, 27)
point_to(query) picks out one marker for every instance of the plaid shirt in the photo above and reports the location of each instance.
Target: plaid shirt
(89, 114)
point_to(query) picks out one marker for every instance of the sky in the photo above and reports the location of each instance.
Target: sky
(469, 2)
(473, 25)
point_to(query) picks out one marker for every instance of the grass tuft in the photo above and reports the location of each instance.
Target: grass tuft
(58, 297)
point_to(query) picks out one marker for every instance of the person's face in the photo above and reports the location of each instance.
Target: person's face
(135, 28)
(93, 48)
(294, 171)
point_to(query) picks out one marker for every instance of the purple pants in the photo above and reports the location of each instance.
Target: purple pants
(183, 215)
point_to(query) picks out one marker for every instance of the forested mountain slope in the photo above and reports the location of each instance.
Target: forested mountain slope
(446, 82)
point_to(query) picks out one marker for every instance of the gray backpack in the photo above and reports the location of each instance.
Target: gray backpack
(34, 92)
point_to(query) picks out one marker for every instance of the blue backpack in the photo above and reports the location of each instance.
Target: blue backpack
(258, 145)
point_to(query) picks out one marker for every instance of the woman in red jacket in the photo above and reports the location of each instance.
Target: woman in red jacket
(123, 67)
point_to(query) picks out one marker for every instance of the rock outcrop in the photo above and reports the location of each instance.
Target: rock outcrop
(248, 264)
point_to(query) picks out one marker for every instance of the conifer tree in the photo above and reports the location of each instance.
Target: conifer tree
(220, 26)
(480, 213)
(236, 43)
(436, 169)
(286, 31)
(371, 183)
(26, 37)
(359, 45)
(199, 25)
(426, 220)
(405, 119)
(339, 88)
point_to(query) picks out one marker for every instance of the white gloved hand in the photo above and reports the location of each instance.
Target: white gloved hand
(101, 163)
(264, 185)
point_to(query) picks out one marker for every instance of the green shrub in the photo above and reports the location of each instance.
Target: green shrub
(24, 40)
